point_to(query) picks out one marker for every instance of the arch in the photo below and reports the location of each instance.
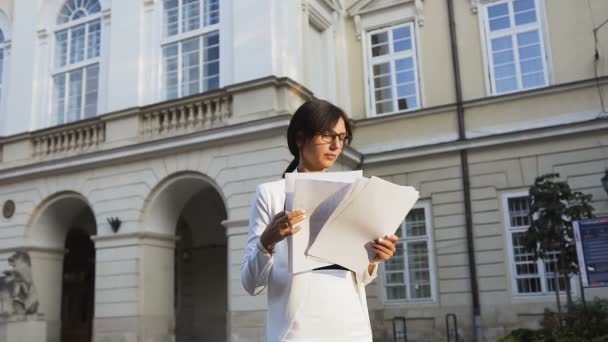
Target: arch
(165, 202)
(49, 225)
(76, 9)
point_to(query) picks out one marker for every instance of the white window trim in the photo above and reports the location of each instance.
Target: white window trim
(82, 65)
(432, 268)
(488, 69)
(178, 38)
(367, 54)
(545, 294)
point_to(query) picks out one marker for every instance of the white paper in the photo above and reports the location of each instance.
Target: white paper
(309, 200)
(290, 179)
(374, 208)
(319, 199)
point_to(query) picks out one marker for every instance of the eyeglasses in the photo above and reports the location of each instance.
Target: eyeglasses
(330, 137)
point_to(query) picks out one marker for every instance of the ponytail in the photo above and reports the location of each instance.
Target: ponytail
(293, 165)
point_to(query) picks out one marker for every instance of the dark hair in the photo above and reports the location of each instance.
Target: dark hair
(312, 118)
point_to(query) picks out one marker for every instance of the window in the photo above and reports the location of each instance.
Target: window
(2, 42)
(77, 55)
(530, 276)
(408, 275)
(515, 45)
(191, 48)
(393, 69)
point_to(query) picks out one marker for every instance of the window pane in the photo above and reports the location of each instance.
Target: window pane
(525, 12)
(418, 267)
(506, 85)
(528, 38)
(212, 62)
(504, 71)
(91, 88)
(384, 94)
(212, 12)
(190, 66)
(405, 77)
(382, 81)
(395, 278)
(61, 50)
(500, 10)
(77, 44)
(379, 50)
(384, 107)
(74, 95)
(530, 51)
(171, 17)
(379, 38)
(404, 64)
(59, 99)
(518, 211)
(402, 33)
(402, 45)
(406, 89)
(503, 57)
(381, 69)
(171, 71)
(94, 39)
(407, 103)
(525, 18)
(395, 292)
(502, 43)
(191, 15)
(415, 222)
(499, 23)
(533, 80)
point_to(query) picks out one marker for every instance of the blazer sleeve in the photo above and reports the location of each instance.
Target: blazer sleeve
(368, 278)
(257, 262)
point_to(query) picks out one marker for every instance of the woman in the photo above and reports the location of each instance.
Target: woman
(326, 304)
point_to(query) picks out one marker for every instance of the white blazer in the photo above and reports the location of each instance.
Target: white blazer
(260, 269)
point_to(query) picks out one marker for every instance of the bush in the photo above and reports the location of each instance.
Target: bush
(579, 324)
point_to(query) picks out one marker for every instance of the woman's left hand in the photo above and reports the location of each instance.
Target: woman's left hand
(385, 247)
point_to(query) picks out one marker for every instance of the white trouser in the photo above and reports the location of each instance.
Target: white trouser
(331, 311)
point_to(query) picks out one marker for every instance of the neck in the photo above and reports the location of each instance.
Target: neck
(302, 168)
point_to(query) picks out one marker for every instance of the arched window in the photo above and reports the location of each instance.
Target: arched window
(76, 67)
(191, 47)
(1, 64)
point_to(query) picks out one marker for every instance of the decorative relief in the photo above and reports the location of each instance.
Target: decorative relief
(18, 296)
(8, 209)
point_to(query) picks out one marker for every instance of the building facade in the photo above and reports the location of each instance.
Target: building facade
(133, 135)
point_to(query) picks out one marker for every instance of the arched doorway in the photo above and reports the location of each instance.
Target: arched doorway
(64, 265)
(193, 208)
(77, 298)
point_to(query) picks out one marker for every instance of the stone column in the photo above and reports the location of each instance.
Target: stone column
(134, 288)
(246, 314)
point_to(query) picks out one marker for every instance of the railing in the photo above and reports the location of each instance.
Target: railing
(76, 139)
(188, 116)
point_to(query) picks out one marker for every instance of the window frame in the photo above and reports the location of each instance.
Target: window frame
(3, 69)
(180, 38)
(486, 36)
(391, 57)
(540, 264)
(431, 257)
(70, 68)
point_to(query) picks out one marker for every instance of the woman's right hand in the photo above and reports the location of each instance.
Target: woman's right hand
(281, 226)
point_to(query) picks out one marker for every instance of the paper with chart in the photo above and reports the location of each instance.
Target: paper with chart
(319, 199)
(374, 208)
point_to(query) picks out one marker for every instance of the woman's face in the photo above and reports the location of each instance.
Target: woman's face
(322, 151)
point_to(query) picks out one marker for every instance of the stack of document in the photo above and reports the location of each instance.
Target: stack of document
(345, 212)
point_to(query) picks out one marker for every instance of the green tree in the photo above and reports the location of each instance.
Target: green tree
(553, 208)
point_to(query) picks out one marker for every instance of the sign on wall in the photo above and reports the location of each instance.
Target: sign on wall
(592, 248)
